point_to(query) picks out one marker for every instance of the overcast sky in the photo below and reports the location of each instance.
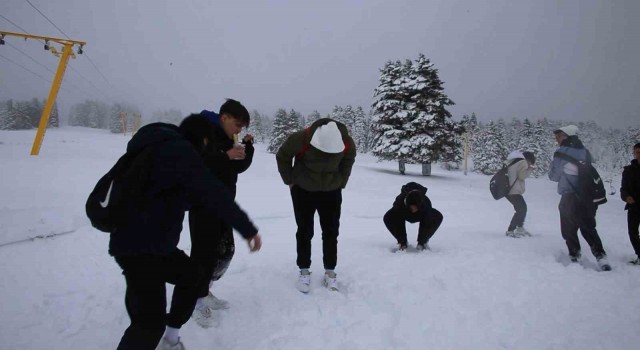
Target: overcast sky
(571, 60)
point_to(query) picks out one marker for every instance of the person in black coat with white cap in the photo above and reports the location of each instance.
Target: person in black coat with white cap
(412, 205)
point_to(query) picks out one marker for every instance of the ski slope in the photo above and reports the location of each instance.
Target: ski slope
(476, 289)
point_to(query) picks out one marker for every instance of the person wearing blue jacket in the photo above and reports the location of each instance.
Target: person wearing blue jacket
(212, 242)
(574, 213)
(168, 177)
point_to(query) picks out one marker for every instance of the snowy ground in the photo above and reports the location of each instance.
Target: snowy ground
(476, 289)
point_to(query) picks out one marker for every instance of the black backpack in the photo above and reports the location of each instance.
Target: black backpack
(590, 189)
(499, 184)
(410, 186)
(105, 206)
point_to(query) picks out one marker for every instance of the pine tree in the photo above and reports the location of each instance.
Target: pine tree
(6, 115)
(433, 135)
(492, 152)
(297, 118)
(54, 117)
(257, 127)
(389, 136)
(315, 115)
(361, 127)
(337, 114)
(283, 126)
(21, 116)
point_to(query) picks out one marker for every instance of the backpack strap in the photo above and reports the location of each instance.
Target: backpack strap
(568, 158)
(305, 143)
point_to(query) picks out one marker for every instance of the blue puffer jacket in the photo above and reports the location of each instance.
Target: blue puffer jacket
(169, 177)
(562, 171)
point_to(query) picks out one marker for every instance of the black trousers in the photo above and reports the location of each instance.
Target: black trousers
(212, 247)
(633, 221)
(576, 215)
(520, 206)
(395, 221)
(328, 204)
(146, 299)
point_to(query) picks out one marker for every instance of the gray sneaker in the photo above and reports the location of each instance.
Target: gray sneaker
(304, 282)
(164, 345)
(205, 317)
(215, 303)
(521, 231)
(330, 281)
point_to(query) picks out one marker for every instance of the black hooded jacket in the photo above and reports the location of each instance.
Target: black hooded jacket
(631, 183)
(167, 178)
(423, 210)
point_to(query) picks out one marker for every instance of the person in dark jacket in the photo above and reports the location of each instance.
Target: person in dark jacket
(630, 194)
(574, 213)
(412, 205)
(169, 177)
(211, 238)
(324, 155)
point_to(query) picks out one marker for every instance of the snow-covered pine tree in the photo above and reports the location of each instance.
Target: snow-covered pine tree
(283, 126)
(389, 134)
(337, 114)
(6, 115)
(297, 118)
(433, 135)
(514, 134)
(315, 115)
(257, 127)
(493, 150)
(21, 116)
(361, 127)
(54, 117)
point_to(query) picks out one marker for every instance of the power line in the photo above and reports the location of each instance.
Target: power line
(51, 71)
(22, 29)
(65, 34)
(47, 18)
(25, 68)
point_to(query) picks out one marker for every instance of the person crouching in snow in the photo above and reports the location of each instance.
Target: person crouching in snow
(412, 205)
(521, 164)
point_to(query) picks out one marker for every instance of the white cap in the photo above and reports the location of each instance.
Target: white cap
(515, 155)
(327, 138)
(570, 130)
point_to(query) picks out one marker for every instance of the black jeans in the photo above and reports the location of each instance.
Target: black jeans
(212, 247)
(395, 221)
(633, 221)
(328, 204)
(576, 215)
(520, 206)
(146, 299)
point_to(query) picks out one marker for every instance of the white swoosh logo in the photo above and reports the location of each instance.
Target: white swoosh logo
(597, 181)
(106, 199)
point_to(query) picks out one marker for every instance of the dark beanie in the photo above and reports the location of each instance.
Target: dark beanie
(530, 157)
(414, 197)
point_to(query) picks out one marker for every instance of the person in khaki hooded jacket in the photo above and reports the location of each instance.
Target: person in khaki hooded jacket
(324, 154)
(521, 164)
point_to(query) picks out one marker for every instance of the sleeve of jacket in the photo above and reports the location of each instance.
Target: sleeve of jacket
(291, 146)
(624, 184)
(556, 169)
(524, 170)
(204, 190)
(241, 165)
(346, 164)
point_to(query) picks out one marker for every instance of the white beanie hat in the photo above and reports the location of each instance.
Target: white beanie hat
(515, 155)
(570, 130)
(327, 138)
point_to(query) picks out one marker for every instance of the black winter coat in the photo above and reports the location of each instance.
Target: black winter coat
(423, 210)
(631, 183)
(169, 177)
(216, 159)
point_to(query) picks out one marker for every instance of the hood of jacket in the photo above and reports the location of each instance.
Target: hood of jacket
(151, 134)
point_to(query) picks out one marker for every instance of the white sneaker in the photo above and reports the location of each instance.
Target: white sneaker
(205, 317)
(330, 281)
(215, 303)
(521, 231)
(304, 282)
(164, 345)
